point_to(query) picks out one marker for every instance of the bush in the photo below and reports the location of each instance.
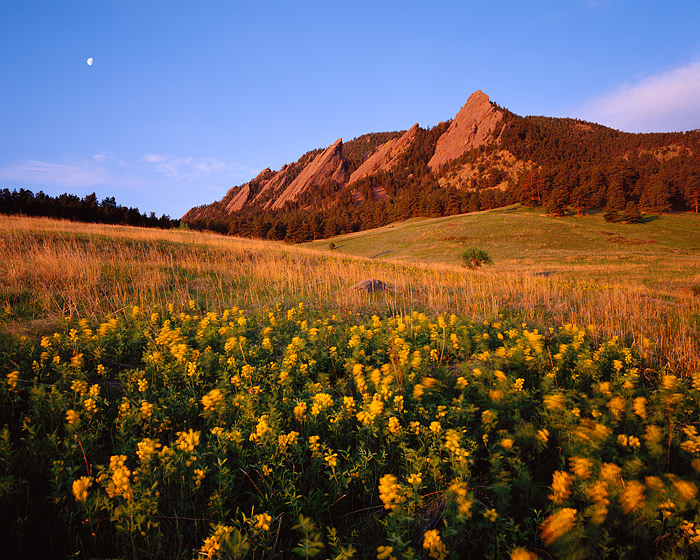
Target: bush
(473, 258)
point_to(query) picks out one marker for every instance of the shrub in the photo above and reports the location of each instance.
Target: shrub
(473, 258)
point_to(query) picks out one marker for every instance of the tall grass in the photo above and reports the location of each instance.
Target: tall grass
(50, 269)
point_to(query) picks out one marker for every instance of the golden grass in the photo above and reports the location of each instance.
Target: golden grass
(51, 268)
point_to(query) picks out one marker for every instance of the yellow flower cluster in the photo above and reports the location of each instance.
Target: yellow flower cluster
(120, 483)
(212, 545)
(262, 428)
(146, 449)
(561, 487)
(285, 440)
(434, 545)
(558, 524)
(213, 401)
(385, 553)
(12, 379)
(146, 410)
(320, 402)
(187, 441)
(80, 488)
(262, 521)
(390, 492)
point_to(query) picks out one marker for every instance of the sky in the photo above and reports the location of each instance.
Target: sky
(186, 99)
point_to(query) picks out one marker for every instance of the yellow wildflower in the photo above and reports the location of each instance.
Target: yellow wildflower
(581, 467)
(558, 524)
(506, 443)
(72, 417)
(263, 521)
(394, 425)
(561, 487)
(12, 379)
(415, 479)
(554, 401)
(314, 446)
(491, 515)
(616, 405)
(390, 492)
(495, 395)
(686, 489)
(632, 496)
(80, 488)
(300, 411)
(434, 545)
(146, 410)
(146, 449)
(610, 472)
(384, 553)
(331, 459)
(120, 483)
(639, 407)
(198, 476)
(90, 405)
(261, 429)
(522, 554)
(187, 441)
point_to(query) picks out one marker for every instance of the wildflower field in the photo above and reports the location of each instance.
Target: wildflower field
(298, 429)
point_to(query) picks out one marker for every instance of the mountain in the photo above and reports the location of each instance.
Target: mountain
(483, 158)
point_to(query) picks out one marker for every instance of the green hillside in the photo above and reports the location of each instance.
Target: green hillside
(662, 253)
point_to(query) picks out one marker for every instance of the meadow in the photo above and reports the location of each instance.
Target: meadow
(176, 394)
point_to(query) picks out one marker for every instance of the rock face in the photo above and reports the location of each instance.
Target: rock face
(238, 200)
(386, 156)
(472, 127)
(327, 166)
(322, 174)
(275, 185)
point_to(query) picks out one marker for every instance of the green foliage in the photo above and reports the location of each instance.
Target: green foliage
(72, 207)
(473, 258)
(286, 433)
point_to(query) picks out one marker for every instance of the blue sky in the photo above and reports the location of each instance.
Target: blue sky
(187, 99)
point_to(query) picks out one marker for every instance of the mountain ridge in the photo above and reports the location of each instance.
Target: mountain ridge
(486, 156)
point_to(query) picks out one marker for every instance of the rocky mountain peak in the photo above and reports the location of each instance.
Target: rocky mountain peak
(472, 127)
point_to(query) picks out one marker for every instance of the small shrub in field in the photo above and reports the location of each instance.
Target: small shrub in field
(473, 258)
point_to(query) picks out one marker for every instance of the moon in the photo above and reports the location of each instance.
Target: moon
(89, 61)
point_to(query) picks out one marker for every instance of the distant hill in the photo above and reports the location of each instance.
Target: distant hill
(484, 158)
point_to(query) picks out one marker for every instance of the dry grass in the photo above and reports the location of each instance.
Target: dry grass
(50, 269)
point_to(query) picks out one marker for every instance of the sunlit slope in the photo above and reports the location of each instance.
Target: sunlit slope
(662, 253)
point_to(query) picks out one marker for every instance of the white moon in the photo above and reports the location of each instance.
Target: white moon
(89, 61)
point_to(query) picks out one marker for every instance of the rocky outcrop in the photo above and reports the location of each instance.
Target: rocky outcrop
(472, 127)
(327, 166)
(274, 186)
(386, 156)
(239, 200)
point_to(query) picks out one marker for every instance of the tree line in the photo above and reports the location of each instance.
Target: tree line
(86, 209)
(574, 167)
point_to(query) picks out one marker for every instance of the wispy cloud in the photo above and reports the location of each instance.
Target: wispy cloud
(669, 101)
(109, 169)
(79, 173)
(184, 168)
(193, 169)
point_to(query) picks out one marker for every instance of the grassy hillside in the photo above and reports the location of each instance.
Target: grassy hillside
(171, 394)
(663, 253)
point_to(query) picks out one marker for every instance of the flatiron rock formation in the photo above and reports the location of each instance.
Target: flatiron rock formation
(386, 156)
(472, 127)
(327, 166)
